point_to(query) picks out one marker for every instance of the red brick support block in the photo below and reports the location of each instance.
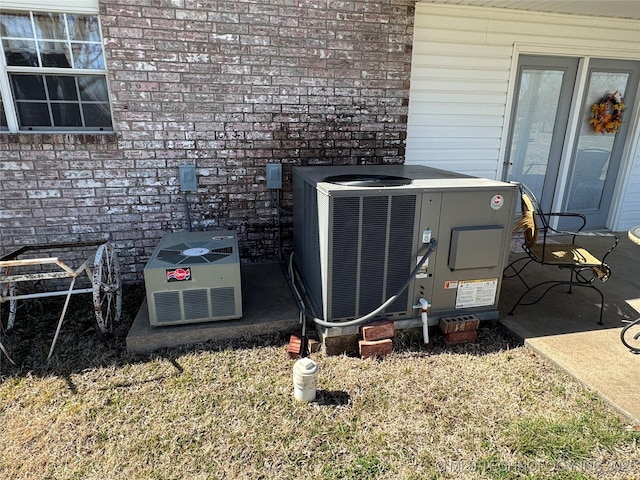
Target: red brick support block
(456, 338)
(294, 349)
(459, 323)
(375, 348)
(379, 330)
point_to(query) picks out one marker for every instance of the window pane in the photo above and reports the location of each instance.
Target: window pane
(87, 55)
(66, 115)
(93, 89)
(28, 87)
(97, 115)
(62, 87)
(20, 53)
(83, 28)
(15, 25)
(50, 26)
(55, 54)
(32, 114)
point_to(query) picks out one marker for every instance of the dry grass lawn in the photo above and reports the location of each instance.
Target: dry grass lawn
(491, 410)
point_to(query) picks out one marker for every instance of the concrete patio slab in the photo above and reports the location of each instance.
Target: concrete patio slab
(267, 307)
(563, 328)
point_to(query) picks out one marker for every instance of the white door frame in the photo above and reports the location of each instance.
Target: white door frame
(631, 142)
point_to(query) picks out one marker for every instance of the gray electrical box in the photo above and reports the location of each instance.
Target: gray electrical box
(188, 181)
(359, 231)
(274, 175)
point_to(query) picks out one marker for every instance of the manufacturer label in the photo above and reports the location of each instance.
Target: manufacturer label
(476, 293)
(179, 275)
(497, 201)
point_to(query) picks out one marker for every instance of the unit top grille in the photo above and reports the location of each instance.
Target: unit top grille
(196, 252)
(194, 248)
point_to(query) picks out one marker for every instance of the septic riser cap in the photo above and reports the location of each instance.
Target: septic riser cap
(305, 366)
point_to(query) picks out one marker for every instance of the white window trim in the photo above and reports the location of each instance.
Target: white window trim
(68, 6)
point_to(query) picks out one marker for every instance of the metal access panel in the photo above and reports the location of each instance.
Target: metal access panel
(475, 247)
(474, 231)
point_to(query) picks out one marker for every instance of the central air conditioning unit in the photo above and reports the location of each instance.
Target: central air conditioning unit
(194, 277)
(359, 231)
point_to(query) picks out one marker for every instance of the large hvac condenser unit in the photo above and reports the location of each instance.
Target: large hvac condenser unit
(359, 232)
(194, 277)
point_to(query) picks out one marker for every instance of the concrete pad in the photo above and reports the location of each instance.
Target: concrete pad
(268, 306)
(563, 328)
(600, 361)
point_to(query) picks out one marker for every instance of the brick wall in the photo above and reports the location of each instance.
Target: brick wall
(227, 86)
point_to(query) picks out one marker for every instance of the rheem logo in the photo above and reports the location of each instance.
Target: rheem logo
(179, 275)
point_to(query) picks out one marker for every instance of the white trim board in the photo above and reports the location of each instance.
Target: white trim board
(68, 6)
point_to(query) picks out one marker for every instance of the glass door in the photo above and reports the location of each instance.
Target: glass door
(540, 114)
(597, 154)
(536, 153)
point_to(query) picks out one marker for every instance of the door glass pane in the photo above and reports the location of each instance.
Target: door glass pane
(591, 160)
(537, 105)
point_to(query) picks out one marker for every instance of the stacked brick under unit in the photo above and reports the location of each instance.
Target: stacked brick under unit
(227, 86)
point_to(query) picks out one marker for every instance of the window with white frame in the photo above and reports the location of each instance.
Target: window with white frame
(53, 74)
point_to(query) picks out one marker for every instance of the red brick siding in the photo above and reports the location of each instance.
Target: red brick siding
(227, 86)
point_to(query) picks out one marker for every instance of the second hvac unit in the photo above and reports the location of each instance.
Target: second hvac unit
(360, 230)
(194, 277)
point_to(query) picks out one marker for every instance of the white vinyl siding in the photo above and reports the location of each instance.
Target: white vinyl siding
(462, 73)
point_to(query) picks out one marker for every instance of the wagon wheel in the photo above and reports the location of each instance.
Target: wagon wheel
(107, 287)
(9, 291)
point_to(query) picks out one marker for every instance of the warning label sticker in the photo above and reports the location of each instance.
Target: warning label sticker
(476, 293)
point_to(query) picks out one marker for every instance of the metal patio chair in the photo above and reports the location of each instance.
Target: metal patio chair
(578, 266)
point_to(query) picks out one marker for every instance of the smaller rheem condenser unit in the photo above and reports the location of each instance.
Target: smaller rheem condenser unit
(194, 277)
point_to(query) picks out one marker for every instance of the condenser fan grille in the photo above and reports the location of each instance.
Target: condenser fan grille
(175, 255)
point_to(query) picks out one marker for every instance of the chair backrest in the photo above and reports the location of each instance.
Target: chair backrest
(527, 222)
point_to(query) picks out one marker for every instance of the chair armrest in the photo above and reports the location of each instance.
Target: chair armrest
(581, 216)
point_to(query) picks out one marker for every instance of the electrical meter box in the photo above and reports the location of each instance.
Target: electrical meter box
(359, 231)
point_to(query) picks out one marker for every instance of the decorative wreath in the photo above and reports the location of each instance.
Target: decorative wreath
(607, 113)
